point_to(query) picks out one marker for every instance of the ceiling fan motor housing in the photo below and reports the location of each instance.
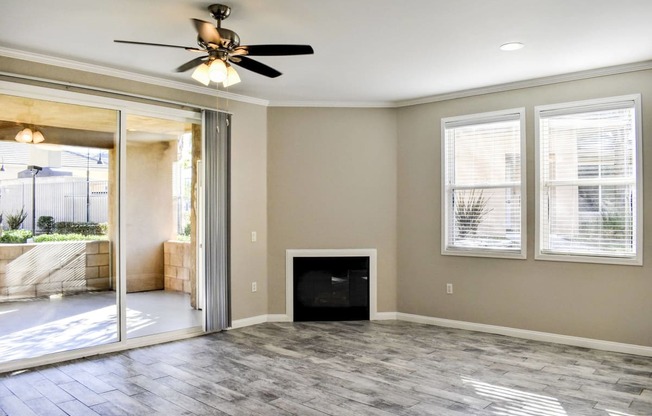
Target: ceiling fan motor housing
(219, 12)
(230, 39)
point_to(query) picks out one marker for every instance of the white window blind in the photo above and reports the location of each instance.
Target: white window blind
(483, 184)
(588, 180)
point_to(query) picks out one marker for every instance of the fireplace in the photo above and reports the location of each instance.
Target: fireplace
(331, 285)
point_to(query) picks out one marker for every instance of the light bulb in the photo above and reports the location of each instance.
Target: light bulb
(24, 136)
(232, 77)
(201, 74)
(217, 71)
(37, 137)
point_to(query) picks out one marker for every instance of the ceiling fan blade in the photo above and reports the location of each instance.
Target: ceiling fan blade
(274, 50)
(192, 63)
(207, 32)
(256, 66)
(188, 48)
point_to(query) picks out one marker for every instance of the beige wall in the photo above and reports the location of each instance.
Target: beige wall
(587, 300)
(248, 209)
(332, 184)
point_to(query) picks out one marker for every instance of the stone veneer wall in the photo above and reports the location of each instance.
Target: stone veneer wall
(43, 269)
(178, 263)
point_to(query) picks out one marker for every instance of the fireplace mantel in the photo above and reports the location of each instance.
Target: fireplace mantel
(289, 273)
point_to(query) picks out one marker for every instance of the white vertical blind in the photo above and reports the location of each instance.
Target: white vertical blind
(588, 180)
(483, 183)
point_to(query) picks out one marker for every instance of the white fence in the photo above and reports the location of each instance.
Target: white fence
(63, 198)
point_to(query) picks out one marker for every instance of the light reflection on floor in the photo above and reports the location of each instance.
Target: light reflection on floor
(512, 402)
(42, 326)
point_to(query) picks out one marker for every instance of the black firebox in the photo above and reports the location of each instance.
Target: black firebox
(331, 288)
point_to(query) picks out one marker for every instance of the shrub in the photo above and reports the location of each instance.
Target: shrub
(46, 238)
(15, 236)
(84, 228)
(14, 221)
(470, 211)
(46, 223)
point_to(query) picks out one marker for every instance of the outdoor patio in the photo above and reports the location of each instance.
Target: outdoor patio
(38, 326)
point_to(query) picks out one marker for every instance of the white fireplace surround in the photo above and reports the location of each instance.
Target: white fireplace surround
(355, 252)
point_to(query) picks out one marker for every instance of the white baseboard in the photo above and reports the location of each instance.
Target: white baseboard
(385, 316)
(254, 320)
(533, 335)
(260, 319)
(472, 326)
(279, 318)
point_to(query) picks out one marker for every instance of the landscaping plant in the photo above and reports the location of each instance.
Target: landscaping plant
(14, 221)
(470, 211)
(46, 223)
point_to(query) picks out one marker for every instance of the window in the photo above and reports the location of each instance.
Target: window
(483, 172)
(589, 181)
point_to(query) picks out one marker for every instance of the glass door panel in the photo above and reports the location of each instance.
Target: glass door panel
(59, 219)
(161, 157)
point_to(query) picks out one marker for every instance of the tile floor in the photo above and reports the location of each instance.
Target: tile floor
(346, 368)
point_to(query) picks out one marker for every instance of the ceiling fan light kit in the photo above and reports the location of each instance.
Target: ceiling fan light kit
(222, 48)
(232, 77)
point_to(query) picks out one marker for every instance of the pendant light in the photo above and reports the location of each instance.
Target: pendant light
(28, 136)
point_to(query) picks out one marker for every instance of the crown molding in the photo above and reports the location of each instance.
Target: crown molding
(334, 104)
(535, 82)
(131, 76)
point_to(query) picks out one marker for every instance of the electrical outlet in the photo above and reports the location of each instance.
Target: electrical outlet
(449, 288)
(254, 237)
(254, 286)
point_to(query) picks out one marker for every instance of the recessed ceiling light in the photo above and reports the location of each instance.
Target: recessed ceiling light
(511, 46)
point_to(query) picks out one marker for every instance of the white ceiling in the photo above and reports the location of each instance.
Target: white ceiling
(366, 51)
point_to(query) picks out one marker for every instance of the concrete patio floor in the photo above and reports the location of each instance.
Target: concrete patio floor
(35, 327)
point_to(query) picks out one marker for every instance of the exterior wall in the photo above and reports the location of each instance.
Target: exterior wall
(332, 184)
(605, 302)
(150, 213)
(33, 270)
(178, 264)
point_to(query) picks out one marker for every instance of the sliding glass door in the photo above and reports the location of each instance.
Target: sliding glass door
(99, 225)
(160, 241)
(58, 216)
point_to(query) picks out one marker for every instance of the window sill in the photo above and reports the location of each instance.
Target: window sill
(574, 258)
(498, 254)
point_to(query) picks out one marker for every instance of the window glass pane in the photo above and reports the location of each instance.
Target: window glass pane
(486, 218)
(482, 165)
(478, 154)
(58, 215)
(595, 221)
(588, 182)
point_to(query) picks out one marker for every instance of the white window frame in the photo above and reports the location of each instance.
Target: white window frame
(588, 105)
(482, 118)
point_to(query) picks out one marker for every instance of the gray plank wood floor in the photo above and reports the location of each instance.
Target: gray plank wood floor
(345, 368)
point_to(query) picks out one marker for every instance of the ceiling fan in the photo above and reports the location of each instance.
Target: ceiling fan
(222, 48)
